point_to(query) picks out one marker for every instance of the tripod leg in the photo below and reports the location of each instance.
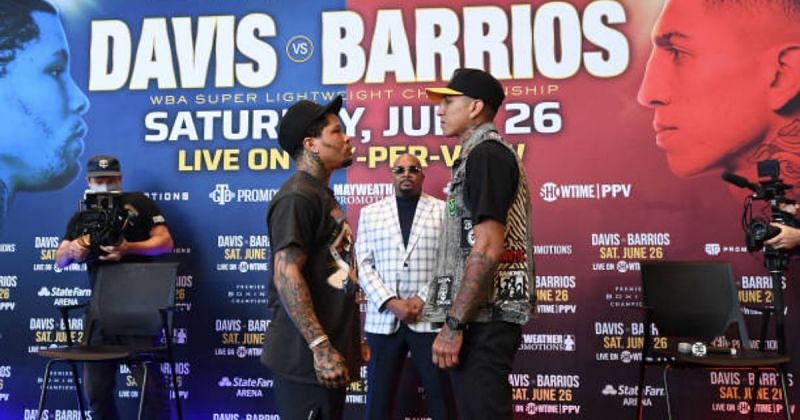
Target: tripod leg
(43, 395)
(142, 391)
(666, 392)
(785, 390)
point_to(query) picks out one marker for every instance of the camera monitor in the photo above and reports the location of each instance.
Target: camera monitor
(769, 169)
(102, 200)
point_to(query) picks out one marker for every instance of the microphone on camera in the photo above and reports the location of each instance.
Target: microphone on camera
(739, 181)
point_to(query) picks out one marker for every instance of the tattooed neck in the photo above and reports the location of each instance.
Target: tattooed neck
(311, 164)
(468, 133)
(784, 147)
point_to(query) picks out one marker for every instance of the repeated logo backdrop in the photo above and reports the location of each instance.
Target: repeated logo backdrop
(188, 95)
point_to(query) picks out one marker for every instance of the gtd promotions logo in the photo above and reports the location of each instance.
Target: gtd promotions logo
(713, 249)
(221, 194)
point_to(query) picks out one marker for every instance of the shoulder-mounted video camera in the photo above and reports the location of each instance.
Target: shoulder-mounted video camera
(102, 220)
(772, 189)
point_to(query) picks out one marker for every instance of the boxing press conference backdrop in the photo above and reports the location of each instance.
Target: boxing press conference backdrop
(188, 94)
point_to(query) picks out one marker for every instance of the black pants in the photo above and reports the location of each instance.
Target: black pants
(303, 401)
(99, 381)
(388, 355)
(481, 378)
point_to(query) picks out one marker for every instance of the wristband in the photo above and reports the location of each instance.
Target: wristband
(317, 341)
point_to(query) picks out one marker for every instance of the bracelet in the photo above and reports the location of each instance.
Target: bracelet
(317, 341)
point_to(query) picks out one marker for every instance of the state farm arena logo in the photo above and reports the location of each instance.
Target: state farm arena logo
(63, 292)
(237, 382)
(623, 390)
(630, 393)
(222, 194)
(550, 191)
(246, 387)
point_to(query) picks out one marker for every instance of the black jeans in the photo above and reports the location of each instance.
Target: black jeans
(304, 401)
(388, 355)
(481, 378)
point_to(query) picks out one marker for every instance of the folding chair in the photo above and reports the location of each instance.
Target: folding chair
(698, 301)
(128, 299)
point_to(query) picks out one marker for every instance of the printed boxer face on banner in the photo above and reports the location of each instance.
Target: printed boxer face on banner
(707, 80)
(43, 130)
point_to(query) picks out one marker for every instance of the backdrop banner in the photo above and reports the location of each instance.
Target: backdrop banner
(624, 113)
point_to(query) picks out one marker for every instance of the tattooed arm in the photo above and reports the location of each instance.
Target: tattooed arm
(478, 272)
(329, 364)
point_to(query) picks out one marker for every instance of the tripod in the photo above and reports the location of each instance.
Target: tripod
(776, 262)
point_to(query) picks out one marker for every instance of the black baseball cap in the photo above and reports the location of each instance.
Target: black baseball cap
(299, 117)
(103, 165)
(474, 83)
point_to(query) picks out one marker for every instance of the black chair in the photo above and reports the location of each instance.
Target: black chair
(128, 299)
(697, 301)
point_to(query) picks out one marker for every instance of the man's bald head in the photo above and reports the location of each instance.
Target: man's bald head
(408, 176)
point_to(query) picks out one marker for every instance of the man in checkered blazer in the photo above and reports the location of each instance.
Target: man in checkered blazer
(396, 251)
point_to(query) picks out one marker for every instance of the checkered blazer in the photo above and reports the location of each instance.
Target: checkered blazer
(387, 268)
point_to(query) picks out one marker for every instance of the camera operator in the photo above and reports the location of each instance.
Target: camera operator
(789, 237)
(143, 236)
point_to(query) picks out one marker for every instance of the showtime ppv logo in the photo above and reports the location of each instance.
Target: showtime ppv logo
(540, 408)
(550, 191)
